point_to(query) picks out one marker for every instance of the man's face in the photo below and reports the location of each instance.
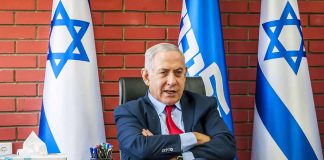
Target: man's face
(167, 78)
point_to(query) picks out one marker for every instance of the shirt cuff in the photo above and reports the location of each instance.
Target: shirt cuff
(188, 156)
(188, 140)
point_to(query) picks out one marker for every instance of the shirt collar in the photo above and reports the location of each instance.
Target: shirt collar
(159, 106)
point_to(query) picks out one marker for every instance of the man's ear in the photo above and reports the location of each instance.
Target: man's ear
(145, 76)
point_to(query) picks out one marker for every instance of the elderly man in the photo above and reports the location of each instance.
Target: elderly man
(170, 122)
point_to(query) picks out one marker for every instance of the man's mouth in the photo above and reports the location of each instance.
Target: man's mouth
(170, 91)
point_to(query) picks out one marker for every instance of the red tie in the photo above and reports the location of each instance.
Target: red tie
(173, 129)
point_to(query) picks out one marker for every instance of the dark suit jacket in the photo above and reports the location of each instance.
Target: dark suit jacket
(199, 113)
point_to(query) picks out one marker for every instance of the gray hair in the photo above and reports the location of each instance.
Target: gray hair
(161, 47)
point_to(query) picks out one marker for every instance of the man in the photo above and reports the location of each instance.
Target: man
(169, 122)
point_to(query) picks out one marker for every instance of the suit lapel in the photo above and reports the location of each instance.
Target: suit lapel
(151, 117)
(187, 113)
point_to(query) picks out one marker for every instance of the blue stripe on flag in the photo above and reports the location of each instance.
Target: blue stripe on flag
(45, 134)
(281, 124)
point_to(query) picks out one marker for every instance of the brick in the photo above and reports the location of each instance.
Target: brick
(105, 5)
(240, 102)
(108, 32)
(304, 20)
(97, 18)
(252, 86)
(33, 17)
(31, 47)
(319, 100)
(110, 103)
(249, 20)
(320, 114)
(124, 18)
(16, 145)
(124, 47)
(7, 104)
(311, 6)
(24, 132)
(163, 19)
(18, 119)
(17, 90)
(253, 33)
(17, 61)
(253, 60)
(238, 87)
(313, 33)
(6, 75)
(42, 61)
(111, 131)
(315, 59)
(144, 33)
(29, 104)
(317, 20)
(7, 47)
(236, 61)
(242, 74)
(99, 47)
(316, 73)
(109, 117)
(134, 61)
(110, 61)
(173, 33)
(6, 18)
(114, 142)
(40, 89)
(243, 47)
(174, 5)
(318, 87)
(316, 46)
(254, 6)
(243, 154)
(109, 89)
(114, 75)
(17, 32)
(145, 5)
(225, 19)
(7, 134)
(17, 5)
(233, 6)
(240, 115)
(43, 32)
(243, 129)
(235, 33)
(44, 5)
(243, 143)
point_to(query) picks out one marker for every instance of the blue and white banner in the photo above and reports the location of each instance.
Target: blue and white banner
(201, 41)
(71, 117)
(285, 124)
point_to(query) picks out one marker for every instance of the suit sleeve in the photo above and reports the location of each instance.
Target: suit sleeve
(132, 142)
(222, 144)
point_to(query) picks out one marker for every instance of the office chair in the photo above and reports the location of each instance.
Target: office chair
(131, 88)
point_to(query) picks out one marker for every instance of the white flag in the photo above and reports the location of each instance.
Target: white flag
(71, 117)
(285, 124)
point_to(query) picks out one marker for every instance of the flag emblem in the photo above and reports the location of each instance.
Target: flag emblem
(75, 49)
(280, 46)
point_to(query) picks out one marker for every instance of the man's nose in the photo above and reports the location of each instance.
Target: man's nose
(172, 79)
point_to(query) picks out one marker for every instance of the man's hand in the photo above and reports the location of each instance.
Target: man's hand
(201, 138)
(146, 132)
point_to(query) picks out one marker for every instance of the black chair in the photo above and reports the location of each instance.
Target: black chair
(131, 88)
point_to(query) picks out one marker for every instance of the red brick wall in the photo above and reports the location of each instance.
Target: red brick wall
(123, 31)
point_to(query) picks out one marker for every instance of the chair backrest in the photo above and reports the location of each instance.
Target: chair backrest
(131, 88)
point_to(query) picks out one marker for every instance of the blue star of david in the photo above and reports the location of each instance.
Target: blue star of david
(61, 18)
(276, 48)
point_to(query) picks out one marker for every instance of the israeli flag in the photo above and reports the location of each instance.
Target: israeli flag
(201, 41)
(71, 118)
(285, 124)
